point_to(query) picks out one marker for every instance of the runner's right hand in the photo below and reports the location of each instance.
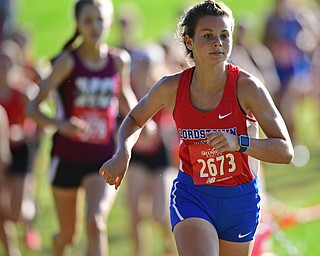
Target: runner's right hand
(114, 169)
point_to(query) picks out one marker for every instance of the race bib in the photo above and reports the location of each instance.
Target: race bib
(210, 167)
(96, 129)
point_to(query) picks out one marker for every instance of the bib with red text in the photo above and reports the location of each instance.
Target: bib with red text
(210, 167)
(96, 130)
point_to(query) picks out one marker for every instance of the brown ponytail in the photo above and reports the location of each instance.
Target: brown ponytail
(69, 45)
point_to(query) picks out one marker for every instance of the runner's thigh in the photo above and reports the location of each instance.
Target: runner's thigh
(195, 236)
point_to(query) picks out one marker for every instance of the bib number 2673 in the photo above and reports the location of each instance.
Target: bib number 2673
(210, 167)
(215, 166)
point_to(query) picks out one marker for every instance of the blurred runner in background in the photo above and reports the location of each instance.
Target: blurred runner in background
(18, 182)
(151, 168)
(92, 81)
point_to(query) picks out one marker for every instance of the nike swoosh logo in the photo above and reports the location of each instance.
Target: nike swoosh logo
(224, 116)
(244, 235)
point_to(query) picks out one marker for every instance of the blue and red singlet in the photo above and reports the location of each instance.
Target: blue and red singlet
(200, 160)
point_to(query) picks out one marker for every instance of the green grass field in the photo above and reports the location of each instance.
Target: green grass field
(50, 24)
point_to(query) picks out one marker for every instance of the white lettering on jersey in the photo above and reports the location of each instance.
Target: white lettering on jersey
(93, 92)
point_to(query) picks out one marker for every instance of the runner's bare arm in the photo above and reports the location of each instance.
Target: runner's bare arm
(255, 100)
(61, 69)
(162, 94)
(127, 98)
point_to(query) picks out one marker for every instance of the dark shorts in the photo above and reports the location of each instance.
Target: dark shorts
(22, 160)
(233, 211)
(70, 174)
(153, 162)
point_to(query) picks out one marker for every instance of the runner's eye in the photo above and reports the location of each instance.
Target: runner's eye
(224, 36)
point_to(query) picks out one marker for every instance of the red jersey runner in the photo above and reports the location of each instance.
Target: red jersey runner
(197, 158)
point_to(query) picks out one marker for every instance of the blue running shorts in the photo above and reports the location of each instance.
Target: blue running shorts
(233, 211)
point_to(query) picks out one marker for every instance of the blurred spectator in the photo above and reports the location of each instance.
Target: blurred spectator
(286, 29)
(315, 61)
(26, 58)
(151, 167)
(25, 78)
(6, 18)
(249, 53)
(18, 186)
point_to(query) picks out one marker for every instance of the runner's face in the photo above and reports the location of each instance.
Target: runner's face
(92, 25)
(212, 41)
